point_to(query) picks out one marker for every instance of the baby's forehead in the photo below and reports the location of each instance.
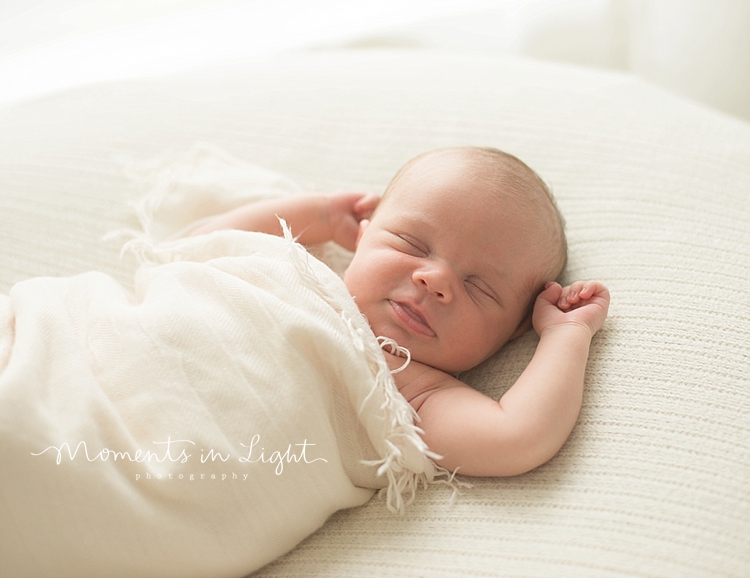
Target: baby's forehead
(457, 198)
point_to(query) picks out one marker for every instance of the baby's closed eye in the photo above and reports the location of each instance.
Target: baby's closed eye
(479, 289)
(412, 245)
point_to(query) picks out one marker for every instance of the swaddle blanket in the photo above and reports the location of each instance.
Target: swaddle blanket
(200, 426)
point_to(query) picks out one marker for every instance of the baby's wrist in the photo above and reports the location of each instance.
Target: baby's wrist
(568, 330)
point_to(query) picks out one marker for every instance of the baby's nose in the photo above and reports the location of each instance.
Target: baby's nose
(438, 279)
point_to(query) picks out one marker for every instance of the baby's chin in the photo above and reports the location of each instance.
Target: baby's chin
(415, 355)
(450, 362)
(436, 358)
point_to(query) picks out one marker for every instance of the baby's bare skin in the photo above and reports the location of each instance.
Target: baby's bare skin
(484, 437)
(446, 271)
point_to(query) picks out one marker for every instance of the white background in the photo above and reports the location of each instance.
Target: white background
(698, 48)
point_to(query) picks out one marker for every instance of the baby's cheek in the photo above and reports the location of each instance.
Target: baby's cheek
(500, 335)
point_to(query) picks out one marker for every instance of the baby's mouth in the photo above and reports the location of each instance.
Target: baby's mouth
(411, 318)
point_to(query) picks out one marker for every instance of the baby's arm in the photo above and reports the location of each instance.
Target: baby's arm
(312, 218)
(530, 423)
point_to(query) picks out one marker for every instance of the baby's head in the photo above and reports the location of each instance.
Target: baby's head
(455, 254)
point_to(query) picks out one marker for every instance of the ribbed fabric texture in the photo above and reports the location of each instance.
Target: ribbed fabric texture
(654, 481)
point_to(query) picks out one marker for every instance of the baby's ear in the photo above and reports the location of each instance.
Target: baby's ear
(363, 224)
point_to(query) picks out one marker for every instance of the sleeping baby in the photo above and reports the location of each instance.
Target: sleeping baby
(237, 396)
(458, 257)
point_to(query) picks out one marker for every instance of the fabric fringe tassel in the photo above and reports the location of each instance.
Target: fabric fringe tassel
(402, 481)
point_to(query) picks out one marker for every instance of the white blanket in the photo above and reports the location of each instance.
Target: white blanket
(200, 426)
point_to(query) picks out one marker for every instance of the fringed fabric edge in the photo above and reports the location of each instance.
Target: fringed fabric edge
(403, 482)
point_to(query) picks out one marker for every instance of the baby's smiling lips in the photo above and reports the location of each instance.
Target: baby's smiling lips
(412, 318)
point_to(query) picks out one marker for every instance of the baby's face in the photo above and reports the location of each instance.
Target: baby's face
(443, 270)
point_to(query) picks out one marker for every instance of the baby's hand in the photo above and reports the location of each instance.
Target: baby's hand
(584, 303)
(345, 211)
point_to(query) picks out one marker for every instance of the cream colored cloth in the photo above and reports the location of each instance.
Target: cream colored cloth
(202, 425)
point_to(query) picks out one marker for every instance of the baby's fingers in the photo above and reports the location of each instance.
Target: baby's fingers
(588, 290)
(570, 295)
(364, 207)
(552, 291)
(581, 292)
